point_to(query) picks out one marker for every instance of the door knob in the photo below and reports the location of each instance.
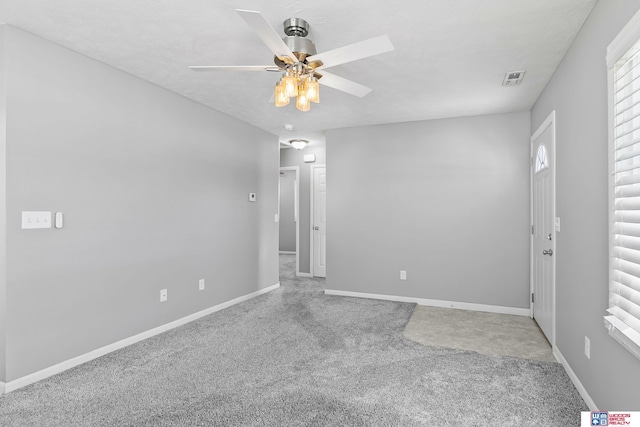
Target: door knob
(549, 252)
(316, 228)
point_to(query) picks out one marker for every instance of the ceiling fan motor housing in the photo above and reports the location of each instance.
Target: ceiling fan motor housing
(296, 29)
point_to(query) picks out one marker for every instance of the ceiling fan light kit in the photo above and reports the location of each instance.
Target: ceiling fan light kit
(296, 57)
(298, 82)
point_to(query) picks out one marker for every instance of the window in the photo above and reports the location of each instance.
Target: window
(542, 161)
(623, 61)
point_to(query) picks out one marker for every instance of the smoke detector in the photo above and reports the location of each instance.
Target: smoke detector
(513, 78)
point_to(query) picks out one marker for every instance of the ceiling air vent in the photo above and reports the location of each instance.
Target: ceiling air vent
(513, 78)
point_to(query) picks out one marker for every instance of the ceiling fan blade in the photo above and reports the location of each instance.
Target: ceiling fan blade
(343, 84)
(353, 52)
(268, 35)
(234, 68)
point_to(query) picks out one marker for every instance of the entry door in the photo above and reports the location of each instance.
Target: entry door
(319, 220)
(543, 233)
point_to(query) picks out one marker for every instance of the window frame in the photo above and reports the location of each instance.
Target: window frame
(628, 37)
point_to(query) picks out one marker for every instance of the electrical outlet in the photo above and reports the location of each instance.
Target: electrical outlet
(587, 347)
(163, 295)
(201, 284)
(403, 275)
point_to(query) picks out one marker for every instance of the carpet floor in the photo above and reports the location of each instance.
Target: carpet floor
(297, 357)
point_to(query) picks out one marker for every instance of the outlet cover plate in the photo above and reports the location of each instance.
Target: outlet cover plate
(587, 347)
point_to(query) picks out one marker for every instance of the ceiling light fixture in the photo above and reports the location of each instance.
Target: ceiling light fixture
(298, 144)
(299, 82)
(302, 66)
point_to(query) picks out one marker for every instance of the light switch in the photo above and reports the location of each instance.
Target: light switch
(252, 197)
(36, 219)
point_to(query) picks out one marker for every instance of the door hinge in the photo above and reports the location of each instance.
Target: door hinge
(532, 297)
(531, 162)
(532, 230)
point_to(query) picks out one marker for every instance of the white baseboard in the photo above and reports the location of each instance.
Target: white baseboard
(574, 379)
(287, 252)
(436, 303)
(303, 274)
(68, 364)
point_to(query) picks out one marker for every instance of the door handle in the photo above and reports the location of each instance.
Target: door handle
(549, 252)
(316, 228)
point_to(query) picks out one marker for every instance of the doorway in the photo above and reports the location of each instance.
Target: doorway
(543, 227)
(288, 212)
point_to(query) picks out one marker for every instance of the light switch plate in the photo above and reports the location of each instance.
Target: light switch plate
(36, 219)
(252, 197)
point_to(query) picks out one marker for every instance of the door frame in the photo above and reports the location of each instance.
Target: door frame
(311, 215)
(550, 121)
(296, 209)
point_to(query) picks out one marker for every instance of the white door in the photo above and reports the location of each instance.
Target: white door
(543, 233)
(319, 220)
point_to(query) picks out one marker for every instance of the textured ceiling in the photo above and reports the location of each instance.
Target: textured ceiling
(450, 55)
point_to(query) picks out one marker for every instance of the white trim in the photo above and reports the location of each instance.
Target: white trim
(287, 252)
(311, 259)
(2, 386)
(628, 36)
(296, 207)
(549, 122)
(574, 379)
(435, 303)
(303, 274)
(68, 364)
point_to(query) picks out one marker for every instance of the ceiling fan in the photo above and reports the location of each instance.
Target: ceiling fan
(302, 67)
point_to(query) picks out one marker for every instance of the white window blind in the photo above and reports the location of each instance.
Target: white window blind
(623, 319)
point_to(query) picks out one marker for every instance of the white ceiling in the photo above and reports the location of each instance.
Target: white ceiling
(449, 61)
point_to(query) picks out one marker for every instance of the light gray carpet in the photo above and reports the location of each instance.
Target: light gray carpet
(296, 357)
(486, 333)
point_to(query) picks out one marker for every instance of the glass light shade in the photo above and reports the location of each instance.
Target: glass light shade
(280, 98)
(290, 83)
(312, 88)
(298, 144)
(302, 102)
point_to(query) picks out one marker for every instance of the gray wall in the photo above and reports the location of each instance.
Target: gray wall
(154, 188)
(3, 203)
(292, 157)
(578, 93)
(445, 200)
(287, 211)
